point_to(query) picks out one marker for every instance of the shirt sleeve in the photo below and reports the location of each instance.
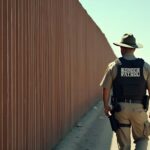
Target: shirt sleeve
(107, 79)
(148, 75)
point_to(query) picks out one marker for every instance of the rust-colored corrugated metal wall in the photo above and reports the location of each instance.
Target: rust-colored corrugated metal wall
(52, 58)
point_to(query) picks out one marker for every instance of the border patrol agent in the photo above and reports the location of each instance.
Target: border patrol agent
(129, 79)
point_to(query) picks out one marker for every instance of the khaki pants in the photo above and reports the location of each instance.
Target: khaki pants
(135, 115)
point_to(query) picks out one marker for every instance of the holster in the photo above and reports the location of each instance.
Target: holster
(114, 122)
(145, 102)
(116, 108)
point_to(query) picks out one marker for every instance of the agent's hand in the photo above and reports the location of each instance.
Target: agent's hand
(107, 110)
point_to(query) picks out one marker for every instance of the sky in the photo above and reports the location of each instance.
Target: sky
(116, 17)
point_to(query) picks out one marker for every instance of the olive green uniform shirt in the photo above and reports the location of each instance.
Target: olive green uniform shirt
(111, 72)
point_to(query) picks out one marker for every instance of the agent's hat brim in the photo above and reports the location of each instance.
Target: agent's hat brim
(138, 45)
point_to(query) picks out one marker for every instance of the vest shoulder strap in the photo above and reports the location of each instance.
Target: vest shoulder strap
(136, 62)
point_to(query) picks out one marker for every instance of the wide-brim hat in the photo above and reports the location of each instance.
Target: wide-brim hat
(129, 41)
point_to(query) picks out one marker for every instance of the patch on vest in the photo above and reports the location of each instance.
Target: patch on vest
(130, 72)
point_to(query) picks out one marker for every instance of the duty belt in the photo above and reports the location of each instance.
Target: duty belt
(129, 101)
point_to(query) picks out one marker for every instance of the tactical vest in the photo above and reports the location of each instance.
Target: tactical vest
(129, 82)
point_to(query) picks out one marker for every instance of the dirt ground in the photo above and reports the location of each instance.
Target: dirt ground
(93, 132)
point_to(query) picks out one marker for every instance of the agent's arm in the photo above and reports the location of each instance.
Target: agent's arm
(106, 94)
